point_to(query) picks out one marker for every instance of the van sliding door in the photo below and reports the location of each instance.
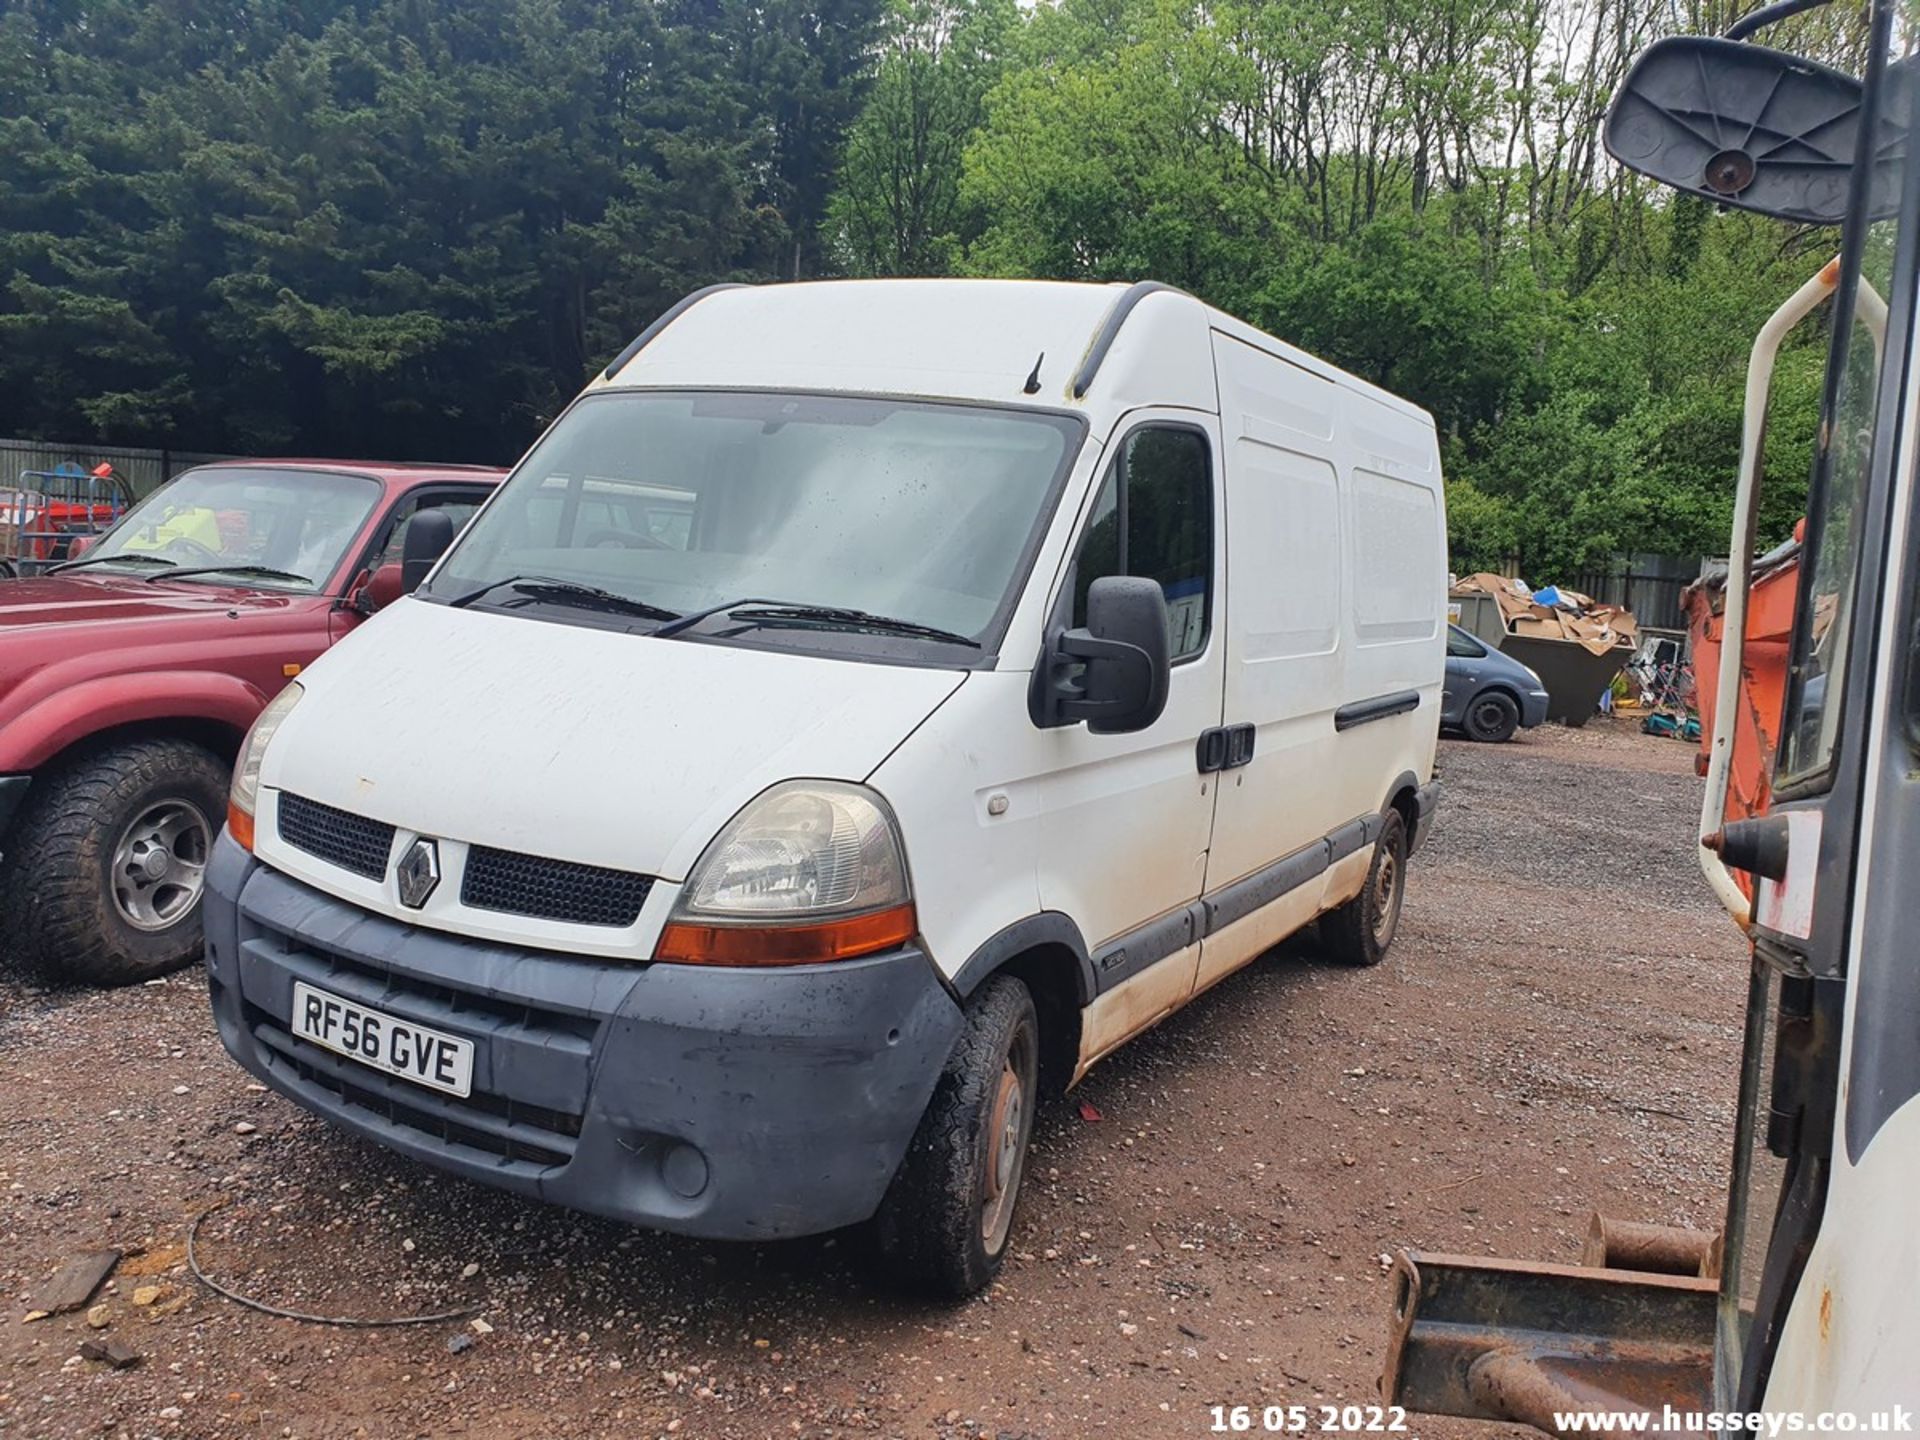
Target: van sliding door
(1337, 573)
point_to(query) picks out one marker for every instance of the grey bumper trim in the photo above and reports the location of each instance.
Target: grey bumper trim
(1425, 799)
(729, 1103)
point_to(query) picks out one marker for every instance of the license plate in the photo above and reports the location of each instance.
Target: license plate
(385, 1042)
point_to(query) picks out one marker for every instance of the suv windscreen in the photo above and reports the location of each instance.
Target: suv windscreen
(919, 512)
(234, 524)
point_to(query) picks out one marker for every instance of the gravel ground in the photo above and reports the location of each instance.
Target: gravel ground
(1556, 1029)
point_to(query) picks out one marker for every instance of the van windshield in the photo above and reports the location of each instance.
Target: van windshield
(918, 512)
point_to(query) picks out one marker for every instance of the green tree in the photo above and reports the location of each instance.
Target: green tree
(898, 209)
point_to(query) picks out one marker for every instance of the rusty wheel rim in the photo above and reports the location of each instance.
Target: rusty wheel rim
(1386, 898)
(1009, 1123)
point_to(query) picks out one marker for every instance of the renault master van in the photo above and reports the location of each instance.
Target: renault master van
(868, 703)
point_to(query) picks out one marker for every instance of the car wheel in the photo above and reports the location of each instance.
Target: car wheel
(1491, 716)
(944, 1224)
(1359, 932)
(104, 870)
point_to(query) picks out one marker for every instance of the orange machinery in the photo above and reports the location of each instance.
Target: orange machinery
(1763, 678)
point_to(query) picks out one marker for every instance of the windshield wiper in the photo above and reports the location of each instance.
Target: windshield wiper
(694, 617)
(780, 612)
(265, 570)
(566, 592)
(102, 559)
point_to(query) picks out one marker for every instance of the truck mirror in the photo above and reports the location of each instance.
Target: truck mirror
(384, 586)
(429, 533)
(1122, 662)
(1741, 125)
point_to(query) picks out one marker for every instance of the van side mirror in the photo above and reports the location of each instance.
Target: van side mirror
(429, 533)
(1122, 654)
(1740, 124)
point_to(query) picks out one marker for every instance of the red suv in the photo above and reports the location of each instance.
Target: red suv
(128, 677)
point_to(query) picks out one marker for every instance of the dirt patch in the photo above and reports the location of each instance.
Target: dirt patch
(1556, 1029)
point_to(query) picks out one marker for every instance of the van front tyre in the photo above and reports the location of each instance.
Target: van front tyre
(1359, 932)
(102, 876)
(944, 1225)
(1492, 718)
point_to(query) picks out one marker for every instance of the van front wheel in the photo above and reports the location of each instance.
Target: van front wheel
(944, 1224)
(1359, 932)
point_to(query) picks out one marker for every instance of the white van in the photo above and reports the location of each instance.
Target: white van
(869, 701)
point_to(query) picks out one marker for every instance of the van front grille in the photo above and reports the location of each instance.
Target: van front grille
(353, 842)
(506, 881)
(547, 889)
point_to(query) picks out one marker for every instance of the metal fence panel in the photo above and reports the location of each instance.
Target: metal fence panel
(1649, 585)
(144, 470)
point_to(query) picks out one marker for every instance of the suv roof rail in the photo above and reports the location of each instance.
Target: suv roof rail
(1109, 330)
(673, 313)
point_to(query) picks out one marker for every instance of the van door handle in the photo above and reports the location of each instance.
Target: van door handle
(1224, 747)
(1211, 753)
(1239, 746)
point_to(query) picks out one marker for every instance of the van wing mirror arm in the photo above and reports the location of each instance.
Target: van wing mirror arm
(1059, 698)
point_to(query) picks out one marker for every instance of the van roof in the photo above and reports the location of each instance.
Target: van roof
(955, 339)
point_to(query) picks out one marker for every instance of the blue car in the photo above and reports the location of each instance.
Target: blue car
(1488, 695)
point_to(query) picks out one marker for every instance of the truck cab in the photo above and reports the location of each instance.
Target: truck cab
(129, 674)
(1798, 1312)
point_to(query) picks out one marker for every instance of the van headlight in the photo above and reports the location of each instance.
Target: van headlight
(810, 870)
(243, 796)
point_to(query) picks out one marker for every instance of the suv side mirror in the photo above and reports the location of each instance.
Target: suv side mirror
(1740, 124)
(429, 533)
(384, 586)
(1123, 649)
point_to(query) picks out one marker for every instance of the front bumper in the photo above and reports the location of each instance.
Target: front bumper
(1533, 708)
(745, 1104)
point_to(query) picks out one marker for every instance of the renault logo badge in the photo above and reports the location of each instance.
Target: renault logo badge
(418, 872)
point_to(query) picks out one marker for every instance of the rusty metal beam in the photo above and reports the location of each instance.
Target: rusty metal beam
(1659, 1249)
(1516, 1340)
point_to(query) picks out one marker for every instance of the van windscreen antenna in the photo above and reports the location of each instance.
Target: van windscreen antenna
(1110, 330)
(1032, 387)
(673, 313)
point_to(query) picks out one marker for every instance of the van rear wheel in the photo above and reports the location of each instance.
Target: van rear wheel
(1359, 932)
(944, 1224)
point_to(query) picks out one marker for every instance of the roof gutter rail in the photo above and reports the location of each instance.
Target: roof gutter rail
(1109, 330)
(673, 313)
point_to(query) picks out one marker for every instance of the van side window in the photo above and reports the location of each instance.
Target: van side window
(1154, 518)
